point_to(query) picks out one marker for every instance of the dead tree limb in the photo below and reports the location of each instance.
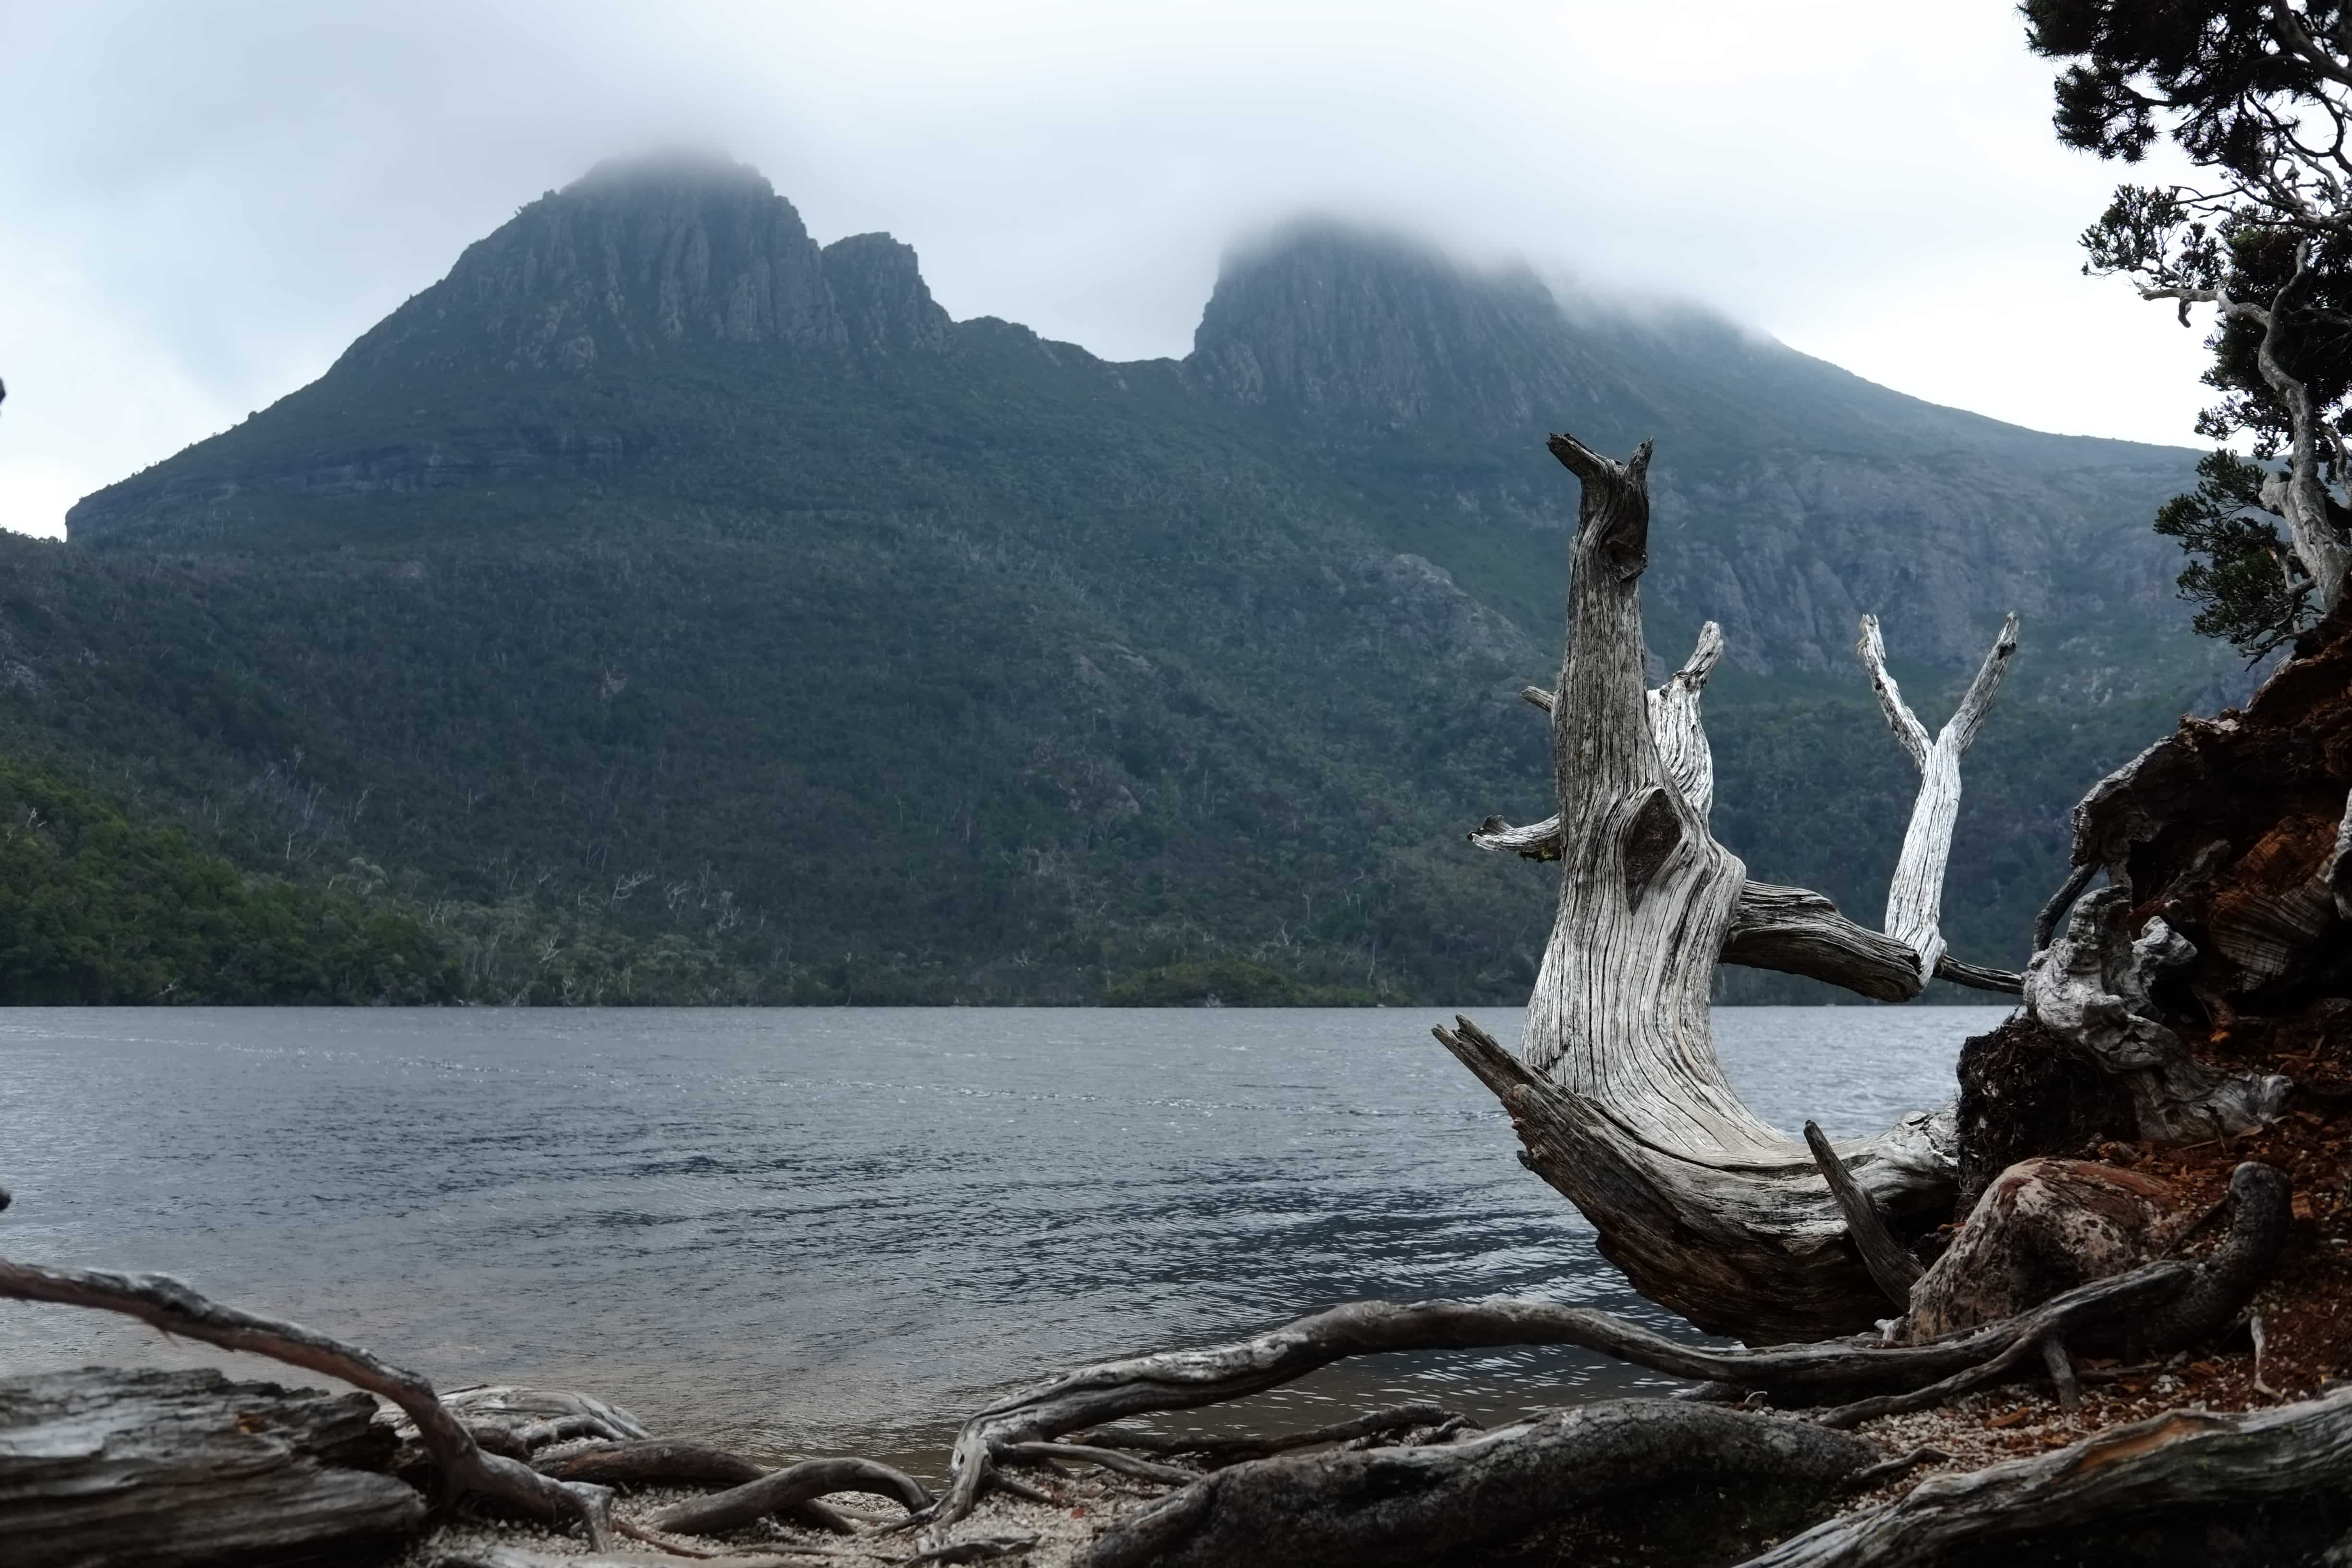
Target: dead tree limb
(1915, 897)
(652, 1460)
(1798, 932)
(1747, 1243)
(110, 1468)
(1416, 1505)
(2182, 1459)
(1795, 929)
(1103, 1458)
(1893, 1269)
(165, 1303)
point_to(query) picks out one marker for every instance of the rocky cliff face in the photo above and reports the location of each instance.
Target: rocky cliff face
(1335, 323)
(651, 256)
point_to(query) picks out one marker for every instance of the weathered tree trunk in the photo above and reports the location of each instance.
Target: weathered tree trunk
(148, 1469)
(1433, 1503)
(1616, 1091)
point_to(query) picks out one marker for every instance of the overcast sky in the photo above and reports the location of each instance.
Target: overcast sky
(201, 203)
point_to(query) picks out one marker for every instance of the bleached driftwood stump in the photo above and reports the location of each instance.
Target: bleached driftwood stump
(1615, 1091)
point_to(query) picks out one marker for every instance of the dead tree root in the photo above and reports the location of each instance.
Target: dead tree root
(2261, 1206)
(1214, 1451)
(788, 1488)
(466, 1469)
(1413, 1505)
(651, 1461)
(1183, 1380)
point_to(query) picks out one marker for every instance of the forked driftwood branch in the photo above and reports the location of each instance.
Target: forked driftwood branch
(1795, 930)
(1616, 1091)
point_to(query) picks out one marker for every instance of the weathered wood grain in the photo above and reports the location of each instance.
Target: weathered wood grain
(1442, 1502)
(2187, 1458)
(106, 1467)
(1616, 1093)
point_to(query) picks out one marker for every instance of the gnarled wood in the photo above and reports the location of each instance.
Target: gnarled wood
(110, 1469)
(786, 1488)
(2181, 1458)
(1616, 1093)
(2091, 989)
(1751, 1244)
(1189, 1379)
(1794, 930)
(1435, 1503)
(165, 1303)
(1798, 932)
(651, 1461)
(1893, 1269)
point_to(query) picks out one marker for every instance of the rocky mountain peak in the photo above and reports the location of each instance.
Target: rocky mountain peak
(1329, 319)
(650, 255)
(878, 290)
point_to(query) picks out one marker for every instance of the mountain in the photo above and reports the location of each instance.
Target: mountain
(703, 611)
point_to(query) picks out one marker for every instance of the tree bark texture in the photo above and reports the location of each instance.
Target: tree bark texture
(149, 1470)
(465, 1467)
(1435, 1502)
(2223, 933)
(2183, 1458)
(1189, 1379)
(1615, 1091)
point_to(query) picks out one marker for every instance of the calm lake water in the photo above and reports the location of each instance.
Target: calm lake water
(811, 1229)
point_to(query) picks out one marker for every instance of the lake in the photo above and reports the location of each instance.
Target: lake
(810, 1229)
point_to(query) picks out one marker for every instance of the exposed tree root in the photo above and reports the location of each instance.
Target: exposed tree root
(518, 1422)
(2182, 1459)
(1222, 1450)
(656, 1460)
(167, 1304)
(652, 1460)
(787, 1488)
(1184, 1380)
(1413, 1505)
(1105, 1458)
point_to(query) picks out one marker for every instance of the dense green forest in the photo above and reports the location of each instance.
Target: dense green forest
(96, 906)
(639, 644)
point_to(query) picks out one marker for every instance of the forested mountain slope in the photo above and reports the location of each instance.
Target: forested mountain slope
(675, 608)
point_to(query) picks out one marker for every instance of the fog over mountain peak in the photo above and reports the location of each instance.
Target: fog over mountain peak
(682, 540)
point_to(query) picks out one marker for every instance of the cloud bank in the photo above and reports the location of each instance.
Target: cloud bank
(200, 206)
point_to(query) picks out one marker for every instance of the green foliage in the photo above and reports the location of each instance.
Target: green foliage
(2249, 588)
(96, 907)
(716, 671)
(2253, 95)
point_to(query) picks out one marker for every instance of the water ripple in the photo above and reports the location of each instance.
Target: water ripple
(828, 1226)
